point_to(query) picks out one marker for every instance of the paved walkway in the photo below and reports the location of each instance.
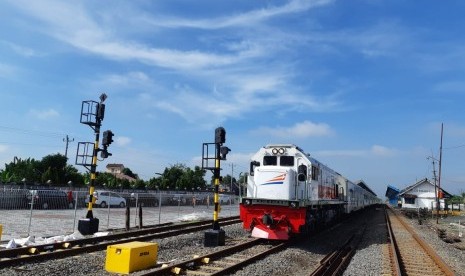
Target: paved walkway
(46, 223)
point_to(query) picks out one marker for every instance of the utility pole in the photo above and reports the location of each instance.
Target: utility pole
(67, 141)
(436, 196)
(440, 163)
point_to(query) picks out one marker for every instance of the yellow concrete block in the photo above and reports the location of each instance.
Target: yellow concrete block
(125, 258)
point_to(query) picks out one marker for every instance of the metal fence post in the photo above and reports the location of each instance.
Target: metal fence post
(108, 213)
(159, 207)
(30, 215)
(75, 210)
(136, 209)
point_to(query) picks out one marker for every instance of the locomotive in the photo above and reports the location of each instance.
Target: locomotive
(289, 193)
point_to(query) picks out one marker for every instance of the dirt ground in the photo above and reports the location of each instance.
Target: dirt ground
(451, 229)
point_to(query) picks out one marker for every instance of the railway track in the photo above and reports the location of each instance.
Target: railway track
(223, 261)
(409, 254)
(70, 248)
(337, 261)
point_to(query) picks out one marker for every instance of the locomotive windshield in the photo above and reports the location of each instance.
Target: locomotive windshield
(286, 161)
(270, 160)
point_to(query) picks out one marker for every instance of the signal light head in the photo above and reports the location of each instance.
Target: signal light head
(107, 138)
(223, 152)
(220, 135)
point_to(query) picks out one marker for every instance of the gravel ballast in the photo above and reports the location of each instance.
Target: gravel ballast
(298, 259)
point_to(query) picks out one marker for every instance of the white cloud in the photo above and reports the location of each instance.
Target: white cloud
(235, 68)
(124, 82)
(299, 130)
(3, 148)
(340, 153)
(6, 70)
(122, 141)
(246, 19)
(382, 151)
(74, 25)
(21, 50)
(44, 114)
(375, 150)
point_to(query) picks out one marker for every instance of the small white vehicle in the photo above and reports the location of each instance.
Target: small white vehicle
(107, 198)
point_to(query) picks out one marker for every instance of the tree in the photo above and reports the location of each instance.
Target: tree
(154, 183)
(20, 169)
(54, 168)
(180, 177)
(227, 182)
(128, 172)
(73, 175)
(138, 184)
(171, 176)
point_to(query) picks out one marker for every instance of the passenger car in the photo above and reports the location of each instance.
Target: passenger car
(48, 199)
(143, 200)
(107, 198)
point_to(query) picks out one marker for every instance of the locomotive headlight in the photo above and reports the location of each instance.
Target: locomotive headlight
(294, 204)
(274, 151)
(281, 150)
(247, 202)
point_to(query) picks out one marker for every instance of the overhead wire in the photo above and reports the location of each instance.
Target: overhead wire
(31, 132)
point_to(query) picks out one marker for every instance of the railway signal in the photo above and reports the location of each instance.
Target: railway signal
(92, 114)
(216, 235)
(107, 137)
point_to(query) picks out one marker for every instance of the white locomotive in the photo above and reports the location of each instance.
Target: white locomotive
(289, 192)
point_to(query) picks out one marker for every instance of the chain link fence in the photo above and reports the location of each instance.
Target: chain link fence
(52, 212)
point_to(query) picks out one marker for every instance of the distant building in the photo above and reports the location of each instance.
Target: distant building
(362, 184)
(422, 195)
(117, 171)
(392, 194)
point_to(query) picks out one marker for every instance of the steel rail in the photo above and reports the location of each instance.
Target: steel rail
(337, 261)
(75, 247)
(198, 261)
(393, 249)
(446, 270)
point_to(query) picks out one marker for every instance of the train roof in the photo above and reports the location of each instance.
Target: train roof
(284, 146)
(362, 184)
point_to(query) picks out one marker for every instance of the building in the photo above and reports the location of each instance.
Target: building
(392, 193)
(422, 195)
(117, 171)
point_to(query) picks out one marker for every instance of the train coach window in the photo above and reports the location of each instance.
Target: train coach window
(270, 160)
(315, 173)
(286, 161)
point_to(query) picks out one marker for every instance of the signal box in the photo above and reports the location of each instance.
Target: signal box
(125, 258)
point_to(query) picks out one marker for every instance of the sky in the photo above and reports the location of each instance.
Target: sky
(361, 85)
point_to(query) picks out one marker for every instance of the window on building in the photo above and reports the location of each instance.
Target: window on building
(409, 200)
(270, 160)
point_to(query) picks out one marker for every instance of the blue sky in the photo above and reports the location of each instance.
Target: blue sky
(363, 86)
